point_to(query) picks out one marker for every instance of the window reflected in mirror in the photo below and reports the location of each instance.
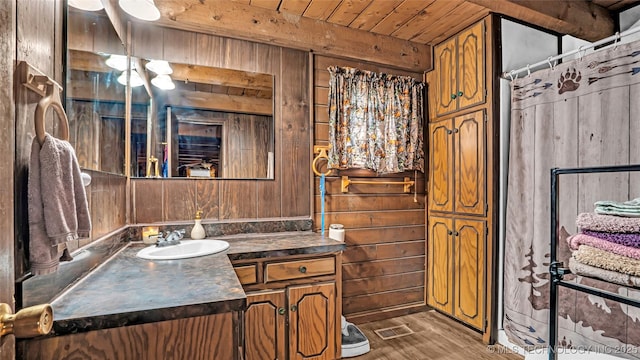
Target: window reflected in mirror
(203, 122)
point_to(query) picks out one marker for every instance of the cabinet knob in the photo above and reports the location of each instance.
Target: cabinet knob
(453, 96)
(303, 269)
(460, 93)
(455, 233)
(449, 131)
(294, 308)
(282, 311)
(449, 232)
(455, 130)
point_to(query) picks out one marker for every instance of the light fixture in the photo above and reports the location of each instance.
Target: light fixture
(88, 5)
(134, 81)
(160, 67)
(141, 9)
(118, 62)
(163, 82)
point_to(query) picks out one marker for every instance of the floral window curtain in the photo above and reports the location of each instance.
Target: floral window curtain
(375, 121)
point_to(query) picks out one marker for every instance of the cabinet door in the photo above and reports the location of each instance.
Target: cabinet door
(470, 88)
(440, 258)
(469, 239)
(264, 326)
(470, 158)
(441, 166)
(312, 322)
(446, 80)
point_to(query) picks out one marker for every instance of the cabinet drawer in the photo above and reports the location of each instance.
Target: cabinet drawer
(247, 274)
(299, 269)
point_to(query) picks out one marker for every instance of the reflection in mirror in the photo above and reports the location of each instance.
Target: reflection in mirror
(204, 122)
(95, 100)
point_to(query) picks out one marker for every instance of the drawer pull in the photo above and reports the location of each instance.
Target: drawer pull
(282, 311)
(303, 269)
(294, 308)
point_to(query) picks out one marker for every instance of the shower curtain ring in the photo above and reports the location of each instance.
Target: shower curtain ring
(581, 52)
(528, 70)
(551, 66)
(617, 39)
(510, 73)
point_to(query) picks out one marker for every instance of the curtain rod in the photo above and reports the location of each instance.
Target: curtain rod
(617, 36)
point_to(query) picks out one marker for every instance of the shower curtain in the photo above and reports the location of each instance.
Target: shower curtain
(584, 112)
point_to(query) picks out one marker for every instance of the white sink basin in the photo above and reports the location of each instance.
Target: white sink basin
(186, 249)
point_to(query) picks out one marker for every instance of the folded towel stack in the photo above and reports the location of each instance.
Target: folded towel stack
(608, 244)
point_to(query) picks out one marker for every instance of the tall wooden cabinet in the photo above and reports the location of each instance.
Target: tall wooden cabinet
(456, 268)
(460, 80)
(457, 166)
(460, 205)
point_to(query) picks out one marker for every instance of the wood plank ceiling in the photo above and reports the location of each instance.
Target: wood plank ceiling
(380, 29)
(428, 21)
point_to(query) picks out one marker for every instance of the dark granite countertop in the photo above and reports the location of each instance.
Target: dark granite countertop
(127, 290)
(254, 246)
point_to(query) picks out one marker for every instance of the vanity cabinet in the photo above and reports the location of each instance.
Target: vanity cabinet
(265, 325)
(202, 337)
(456, 252)
(459, 76)
(457, 164)
(292, 308)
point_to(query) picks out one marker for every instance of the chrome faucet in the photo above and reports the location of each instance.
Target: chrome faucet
(172, 238)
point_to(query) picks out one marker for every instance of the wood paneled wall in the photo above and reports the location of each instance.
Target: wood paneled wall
(384, 263)
(7, 153)
(289, 194)
(39, 42)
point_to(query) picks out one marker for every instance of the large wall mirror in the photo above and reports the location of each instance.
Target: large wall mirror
(95, 91)
(201, 122)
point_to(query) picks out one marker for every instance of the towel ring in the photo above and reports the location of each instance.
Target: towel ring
(51, 98)
(321, 155)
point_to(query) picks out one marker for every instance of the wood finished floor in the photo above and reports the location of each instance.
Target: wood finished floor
(435, 337)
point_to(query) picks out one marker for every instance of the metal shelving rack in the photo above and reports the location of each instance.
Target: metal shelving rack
(557, 270)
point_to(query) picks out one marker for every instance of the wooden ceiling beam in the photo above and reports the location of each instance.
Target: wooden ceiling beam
(87, 61)
(579, 18)
(217, 102)
(236, 20)
(223, 77)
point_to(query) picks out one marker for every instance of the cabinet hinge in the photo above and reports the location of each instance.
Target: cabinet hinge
(486, 231)
(486, 208)
(486, 325)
